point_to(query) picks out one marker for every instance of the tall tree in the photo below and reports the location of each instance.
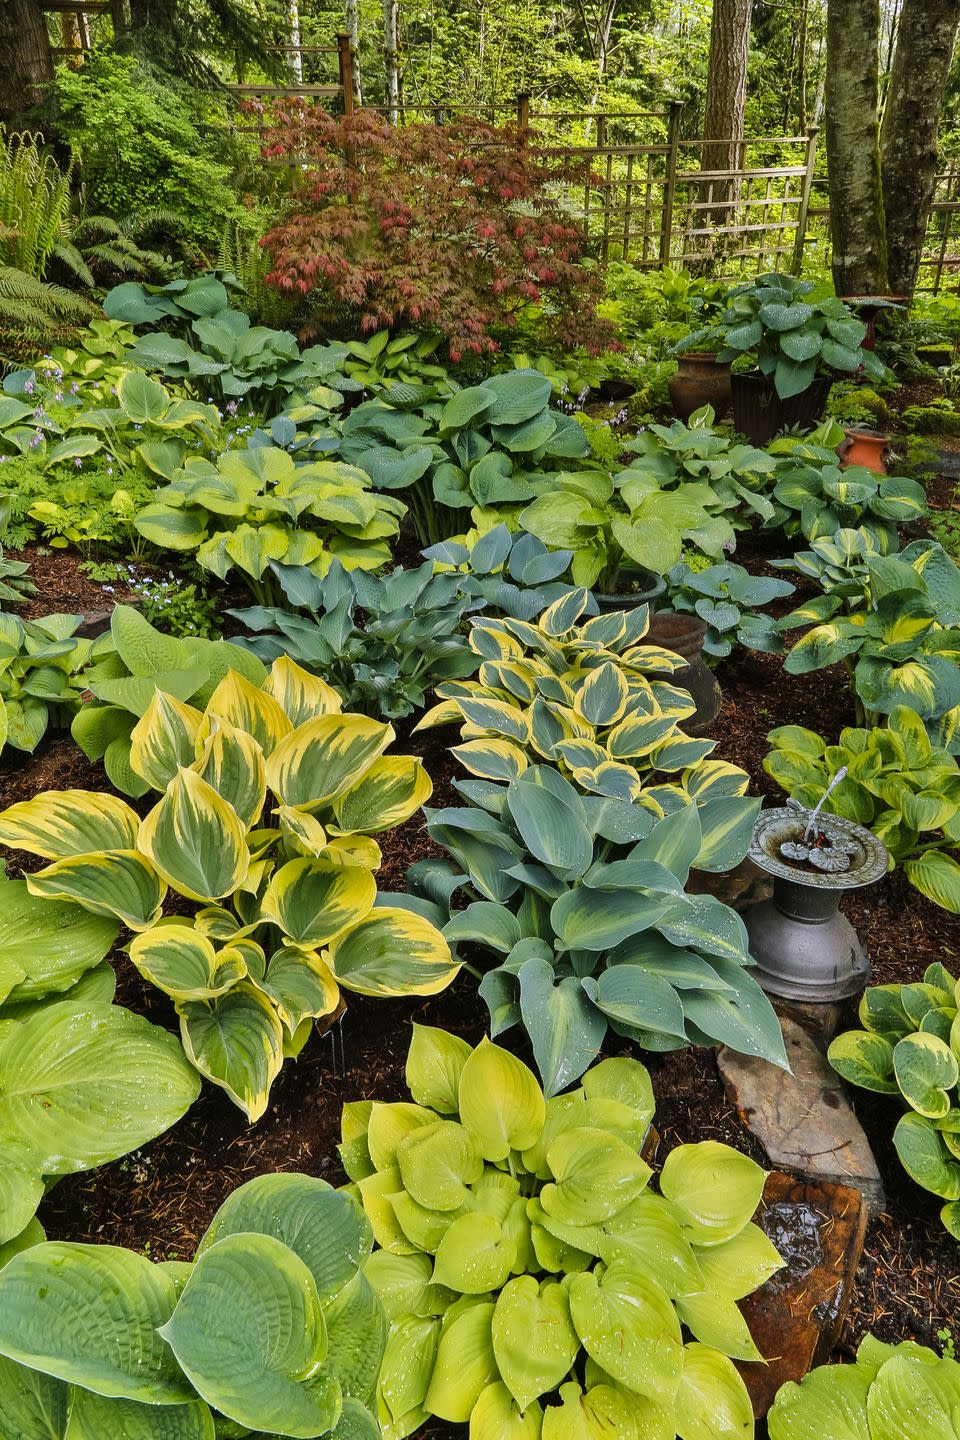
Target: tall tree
(391, 58)
(908, 138)
(352, 14)
(724, 102)
(26, 65)
(857, 217)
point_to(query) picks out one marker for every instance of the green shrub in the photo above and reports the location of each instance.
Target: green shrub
(940, 417)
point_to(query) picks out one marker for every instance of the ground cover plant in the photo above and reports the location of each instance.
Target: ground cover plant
(563, 1278)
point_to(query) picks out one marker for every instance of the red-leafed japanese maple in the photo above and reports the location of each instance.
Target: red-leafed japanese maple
(454, 227)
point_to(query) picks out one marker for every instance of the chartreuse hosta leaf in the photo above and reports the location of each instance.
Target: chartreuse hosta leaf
(535, 1282)
(262, 840)
(273, 1326)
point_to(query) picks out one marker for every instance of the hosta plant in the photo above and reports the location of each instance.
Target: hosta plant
(580, 910)
(261, 845)
(588, 696)
(816, 496)
(536, 1282)
(839, 562)
(82, 1081)
(509, 573)
(384, 361)
(15, 582)
(40, 676)
(898, 784)
(126, 666)
(382, 642)
(272, 1329)
(257, 505)
(727, 599)
(490, 445)
(892, 1391)
(910, 1047)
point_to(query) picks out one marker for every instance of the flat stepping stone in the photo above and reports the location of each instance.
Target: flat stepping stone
(796, 1317)
(803, 1120)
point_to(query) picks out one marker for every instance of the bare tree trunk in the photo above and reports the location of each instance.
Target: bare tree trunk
(853, 148)
(391, 57)
(26, 64)
(71, 38)
(600, 46)
(295, 57)
(353, 30)
(918, 81)
(723, 106)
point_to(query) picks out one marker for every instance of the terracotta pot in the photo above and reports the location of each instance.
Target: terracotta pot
(644, 587)
(868, 448)
(700, 380)
(685, 634)
(760, 414)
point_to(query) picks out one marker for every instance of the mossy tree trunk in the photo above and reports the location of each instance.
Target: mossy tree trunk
(26, 65)
(857, 220)
(723, 106)
(908, 139)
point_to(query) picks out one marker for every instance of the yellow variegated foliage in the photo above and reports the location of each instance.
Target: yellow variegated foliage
(587, 696)
(269, 799)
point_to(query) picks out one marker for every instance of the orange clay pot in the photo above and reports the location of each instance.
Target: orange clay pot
(867, 448)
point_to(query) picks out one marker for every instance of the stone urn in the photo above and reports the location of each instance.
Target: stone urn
(864, 447)
(701, 379)
(803, 947)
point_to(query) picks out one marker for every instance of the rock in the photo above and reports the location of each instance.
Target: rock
(95, 622)
(795, 1318)
(803, 1120)
(820, 1021)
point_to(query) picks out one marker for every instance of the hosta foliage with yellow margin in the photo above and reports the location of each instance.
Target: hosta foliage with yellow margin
(589, 698)
(537, 1285)
(269, 802)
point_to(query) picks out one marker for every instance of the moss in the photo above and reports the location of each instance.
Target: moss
(940, 418)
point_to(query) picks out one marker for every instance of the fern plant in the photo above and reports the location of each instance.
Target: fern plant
(34, 203)
(242, 254)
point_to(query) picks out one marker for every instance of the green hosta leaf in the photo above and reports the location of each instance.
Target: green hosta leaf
(465, 1365)
(437, 1162)
(33, 1406)
(632, 996)
(712, 1399)
(715, 1190)
(606, 1411)
(926, 1069)
(115, 883)
(81, 1087)
(257, 1291)
(715, 1320)
(829, 1401)
(587, 919)
(435, 1062)
(475, 1255)
(21, 1187)
(90, 1314)
(45, 945)
(596, 1175)
(864, 1059)
(235, 1040)
(500, 1101)
(93, 1417)
(534, 1341)
(551, 829)
(628, 1325)
(141, 399)
(937, 876)
(565, 1029)
(408, 1363)
(496, 1416)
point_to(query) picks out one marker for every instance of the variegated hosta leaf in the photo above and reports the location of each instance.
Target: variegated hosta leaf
(61, 823)
(251, 709)
(300, 695)
(391, 790)
(232, 762)
(353, 850)
(312, 901)
(183, 963)
(300, 986)
(392, 952)
(235, 1040)
(491, 759)
(325, 757)
(117, 882)
(196, 839)
(89, 1314)
(164, 739)
(303, 829)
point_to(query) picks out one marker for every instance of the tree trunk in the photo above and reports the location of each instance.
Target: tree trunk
(26, 64)
(918, 80)
(857, 222)
(723, 106)
(391, 57)
(294, 56)
(600, 49)
(353, 30)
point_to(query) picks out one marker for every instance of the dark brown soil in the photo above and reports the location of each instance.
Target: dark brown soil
(62, 585)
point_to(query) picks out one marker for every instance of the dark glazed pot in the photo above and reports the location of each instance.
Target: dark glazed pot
(644, 589)
(700, 380)
(760, 414)
(685, 635)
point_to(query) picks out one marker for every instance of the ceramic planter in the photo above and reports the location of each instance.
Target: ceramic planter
(700, 380)
(685, 634)
(639, 587)
(760, 414)
(867, 448)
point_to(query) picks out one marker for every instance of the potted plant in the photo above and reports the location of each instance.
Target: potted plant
(702, 378)
(797, 346)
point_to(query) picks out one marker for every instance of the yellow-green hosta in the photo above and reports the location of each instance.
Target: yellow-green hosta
(588, 697)
(269, 801)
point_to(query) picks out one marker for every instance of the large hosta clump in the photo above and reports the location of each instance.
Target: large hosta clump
(536, 1284)
(273, 1329)
(249, 887)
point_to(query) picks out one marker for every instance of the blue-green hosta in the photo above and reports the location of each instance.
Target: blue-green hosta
(537, 1285)
(590, 698)
(579, 903)
(899, 785)
(511, 573)
(893, 1392)
(82, 1081)
(258, 505)
(901, 644)
(724, 597)
(910, 1046)
(272, 1329)
(280, 894)
(40, 676)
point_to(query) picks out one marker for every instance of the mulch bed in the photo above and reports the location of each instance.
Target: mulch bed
(161, 1199)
